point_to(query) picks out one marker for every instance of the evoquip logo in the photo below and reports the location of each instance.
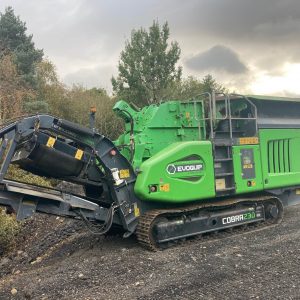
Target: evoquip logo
(173, 169)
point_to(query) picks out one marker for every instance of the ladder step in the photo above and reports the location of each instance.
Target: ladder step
(226, 189)
(223, 174)
(227, 131)
(223, 159)
(222, 142)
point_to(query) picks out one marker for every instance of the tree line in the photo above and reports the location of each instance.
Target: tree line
(148, 73)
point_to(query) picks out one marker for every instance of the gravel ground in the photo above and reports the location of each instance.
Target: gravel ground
(57, 259)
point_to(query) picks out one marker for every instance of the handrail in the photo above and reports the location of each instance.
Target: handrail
(215, 106)
(212, 111)
(253, 107)
(229, 118)
(210, 118)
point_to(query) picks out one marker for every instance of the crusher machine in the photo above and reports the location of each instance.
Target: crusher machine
(181, 169)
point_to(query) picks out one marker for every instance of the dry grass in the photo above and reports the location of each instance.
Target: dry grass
(9, 228)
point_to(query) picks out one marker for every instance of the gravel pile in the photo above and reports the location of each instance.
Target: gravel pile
(58, 259)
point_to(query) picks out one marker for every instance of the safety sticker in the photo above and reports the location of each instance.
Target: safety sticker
(124, 173)
(79, 154)
(50, 142)
(136, 210)
(249, 141)
(220, 184)
(164, 187)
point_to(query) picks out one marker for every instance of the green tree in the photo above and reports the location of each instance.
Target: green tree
(191, 87)
(147, 65)
(15, 41)
(79, 100)
(13, 93)
(210, 84)
(48, 88)
(183, 89)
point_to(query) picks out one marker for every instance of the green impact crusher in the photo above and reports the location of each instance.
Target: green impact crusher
(180, 169)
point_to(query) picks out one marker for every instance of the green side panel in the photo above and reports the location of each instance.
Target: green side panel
(180, 173)
(280, 150)
(247, 168)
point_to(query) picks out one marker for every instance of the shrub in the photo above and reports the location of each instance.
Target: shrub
(9, 228)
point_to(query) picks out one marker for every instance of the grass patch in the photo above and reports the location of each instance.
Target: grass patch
(9, 228)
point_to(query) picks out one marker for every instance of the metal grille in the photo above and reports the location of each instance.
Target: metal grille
(279, 156)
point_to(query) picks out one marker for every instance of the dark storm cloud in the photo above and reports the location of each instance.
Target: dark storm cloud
(218, 58)
(260, 19)
(257, 29)
(81, 36)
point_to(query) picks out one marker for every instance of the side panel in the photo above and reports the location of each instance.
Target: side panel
(179, 173)
(247, 168)
(280, 150)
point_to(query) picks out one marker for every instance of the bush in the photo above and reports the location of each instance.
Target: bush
(9, 228)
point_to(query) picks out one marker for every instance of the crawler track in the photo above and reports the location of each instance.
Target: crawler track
(145, 228)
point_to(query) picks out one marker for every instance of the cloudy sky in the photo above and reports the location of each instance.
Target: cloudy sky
(251, 46)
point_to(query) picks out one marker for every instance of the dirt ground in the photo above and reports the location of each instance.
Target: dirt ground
(57, 259)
